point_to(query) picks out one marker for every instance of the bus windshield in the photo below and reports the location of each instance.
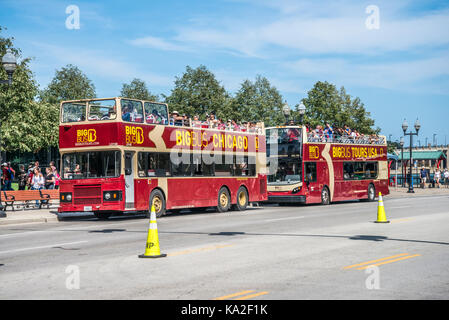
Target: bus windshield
(73, 111)
(95, 164)
(284, 155)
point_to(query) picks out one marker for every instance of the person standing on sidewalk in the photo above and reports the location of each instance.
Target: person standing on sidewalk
(437, 177)
(446, 178)
(38, 182)
(423, 175)
(22, 177)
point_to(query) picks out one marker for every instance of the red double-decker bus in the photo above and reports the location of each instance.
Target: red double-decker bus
(120, 156)
(318, 169)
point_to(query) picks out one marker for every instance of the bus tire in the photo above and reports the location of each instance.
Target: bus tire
(325, 196)
(242, 200)
(224, 200)
(371, 193)
(157, 200)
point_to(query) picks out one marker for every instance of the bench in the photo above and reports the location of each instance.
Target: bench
(26, 196)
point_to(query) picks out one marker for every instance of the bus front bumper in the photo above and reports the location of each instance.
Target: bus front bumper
(286, 199)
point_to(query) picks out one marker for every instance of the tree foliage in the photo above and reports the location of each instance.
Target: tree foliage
(25, 124)
(137, 89)
(324, 103)
(69, 83)
(197, 92)
(258, 101)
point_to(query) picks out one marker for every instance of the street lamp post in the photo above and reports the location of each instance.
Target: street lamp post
(9, 63)
(411, 134)
(402, 161)
(302, 112)
(286, 112)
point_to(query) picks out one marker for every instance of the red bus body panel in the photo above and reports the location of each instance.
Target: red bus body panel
(183, 192)
(329, 159)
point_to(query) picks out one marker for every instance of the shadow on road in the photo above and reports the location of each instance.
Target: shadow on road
(356, 237)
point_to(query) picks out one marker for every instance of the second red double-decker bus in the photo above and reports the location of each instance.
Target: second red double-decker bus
(306, 168)
(120, 155)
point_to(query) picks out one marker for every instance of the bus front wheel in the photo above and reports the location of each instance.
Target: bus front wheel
(224, 200)
(325, 196)
(158, 201)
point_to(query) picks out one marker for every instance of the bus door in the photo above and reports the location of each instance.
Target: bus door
(311, 182)
(129, 179)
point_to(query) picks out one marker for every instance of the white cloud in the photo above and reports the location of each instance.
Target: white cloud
(98, 63)
(158, 43)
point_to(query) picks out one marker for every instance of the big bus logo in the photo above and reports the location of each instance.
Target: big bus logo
(134, 135)
(86, 135)
(314, 152)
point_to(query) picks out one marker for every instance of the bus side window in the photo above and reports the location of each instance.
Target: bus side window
(310, 169)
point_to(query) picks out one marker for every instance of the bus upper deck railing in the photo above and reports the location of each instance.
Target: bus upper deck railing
(377, 140)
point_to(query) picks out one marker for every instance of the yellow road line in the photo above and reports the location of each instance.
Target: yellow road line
(199, 250)
(252, 295)
(372, 261)
(390, 261)
(234, 295)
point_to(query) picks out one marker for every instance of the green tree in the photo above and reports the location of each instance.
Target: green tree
(137, 89)
(324, 103)
(198, 92)
(258, 101)
(25, 125)
(69, 83)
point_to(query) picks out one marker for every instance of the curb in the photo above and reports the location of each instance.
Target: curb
(28, 220)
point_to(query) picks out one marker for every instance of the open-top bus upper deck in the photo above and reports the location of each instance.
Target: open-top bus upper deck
(302, 165)
(128, 145)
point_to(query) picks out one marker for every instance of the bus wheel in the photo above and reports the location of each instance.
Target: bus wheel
(242, 199)
(371, 193)
(325, 197)
(158, 201)
(224, 200)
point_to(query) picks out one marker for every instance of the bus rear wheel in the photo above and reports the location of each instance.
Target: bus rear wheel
(242, 200)
(158, 201)
(371, 193)
(325, 196)
(224, 200)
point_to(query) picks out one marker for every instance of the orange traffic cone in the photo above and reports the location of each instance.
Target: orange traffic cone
(152, 249)
(381, 217)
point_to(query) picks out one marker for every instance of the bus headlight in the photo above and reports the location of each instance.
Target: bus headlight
(296, 190)
(65, 197)
(112, 195)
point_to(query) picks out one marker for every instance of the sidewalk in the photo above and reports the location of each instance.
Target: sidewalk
(51, 215)
(29, 215)
(400, 192)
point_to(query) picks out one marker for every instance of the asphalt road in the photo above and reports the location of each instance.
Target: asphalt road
(271, 252)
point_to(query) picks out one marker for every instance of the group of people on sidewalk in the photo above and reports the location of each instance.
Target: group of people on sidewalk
(32, 178)
(437, 177)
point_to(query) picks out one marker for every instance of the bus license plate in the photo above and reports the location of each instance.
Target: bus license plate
(88, 208)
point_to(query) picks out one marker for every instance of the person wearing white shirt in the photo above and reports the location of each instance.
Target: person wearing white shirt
(37, 182)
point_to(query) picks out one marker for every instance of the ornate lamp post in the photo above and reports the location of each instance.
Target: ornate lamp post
(286, 112)
(302, 112)
(411, 134)
(9, 63)
(401, 142)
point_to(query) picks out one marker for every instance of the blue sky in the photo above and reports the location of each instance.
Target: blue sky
(399, 70)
